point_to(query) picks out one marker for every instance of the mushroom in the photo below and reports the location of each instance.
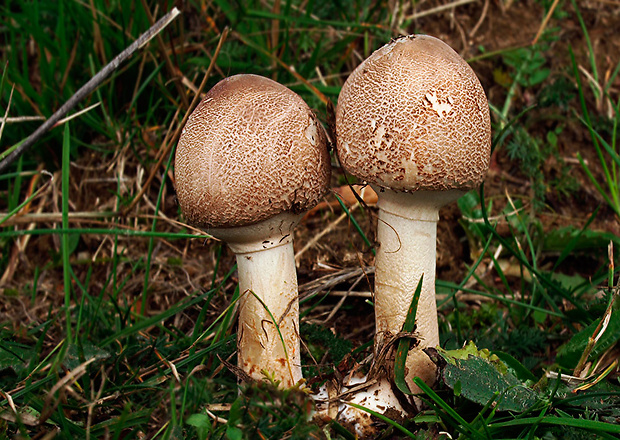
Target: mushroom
(250, 161)
(413, 121)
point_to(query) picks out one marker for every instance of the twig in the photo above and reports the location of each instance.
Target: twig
(483, 15)
(89, 87)
(438, 9)
(320, 235)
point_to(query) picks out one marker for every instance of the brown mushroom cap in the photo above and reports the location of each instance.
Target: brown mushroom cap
(252, 149)
(413, 116)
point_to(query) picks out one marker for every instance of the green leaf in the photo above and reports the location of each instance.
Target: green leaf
(15, 357)
(234, 433)
(470, 349)
(483, 377)
(199, 420)
(72, 243)
(202, 423)
(86, 351)
(538, 77)
(515, 367)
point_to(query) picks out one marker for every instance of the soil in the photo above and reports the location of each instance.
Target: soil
(179, 268)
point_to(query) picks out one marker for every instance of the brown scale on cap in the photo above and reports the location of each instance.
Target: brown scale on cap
(252, 149)
(413, 116)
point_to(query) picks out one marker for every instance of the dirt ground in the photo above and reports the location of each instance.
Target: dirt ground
(181, 267)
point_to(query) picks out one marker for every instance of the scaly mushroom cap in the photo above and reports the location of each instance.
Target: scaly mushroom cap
(413, 116)
(252, 149)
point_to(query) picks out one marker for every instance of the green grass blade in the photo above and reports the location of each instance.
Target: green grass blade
(470, 273)
(593, 425)
(595, 140)
(502, 299)
(66, 172)
(591, 51)
(145, 323)
(608, 148)
(355, 224)
(542, 278)
(594, 182)
(463, 426)
(383, 418)
(21, 205)
(568, 249)
(149, 254)
(403, 344)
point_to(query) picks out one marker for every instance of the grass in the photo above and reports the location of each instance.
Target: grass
(117, 320)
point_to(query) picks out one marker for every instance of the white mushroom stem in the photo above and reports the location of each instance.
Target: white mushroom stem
(377, 397)
(268, 288)
(407, 237)
(407, 240)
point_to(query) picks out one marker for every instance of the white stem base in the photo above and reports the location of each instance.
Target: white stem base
(378, 398)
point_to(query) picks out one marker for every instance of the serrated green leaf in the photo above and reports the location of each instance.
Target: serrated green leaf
(483, 376)
(515, 367)
(470, 349)
(77, 355)
(15, 357)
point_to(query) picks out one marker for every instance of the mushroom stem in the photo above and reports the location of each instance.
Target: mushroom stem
(268, 285)
(407, 235)
(268, 289)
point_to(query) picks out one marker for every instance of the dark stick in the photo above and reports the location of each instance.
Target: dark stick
(88, 88)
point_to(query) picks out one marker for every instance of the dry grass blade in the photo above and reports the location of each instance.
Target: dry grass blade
(51, 401)
(14, 415)
(545, 22)
(483, 15)
(172, 70)
(77, 114)
(321, 234)
(438, 9)
(328, 281)
(6, 113)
